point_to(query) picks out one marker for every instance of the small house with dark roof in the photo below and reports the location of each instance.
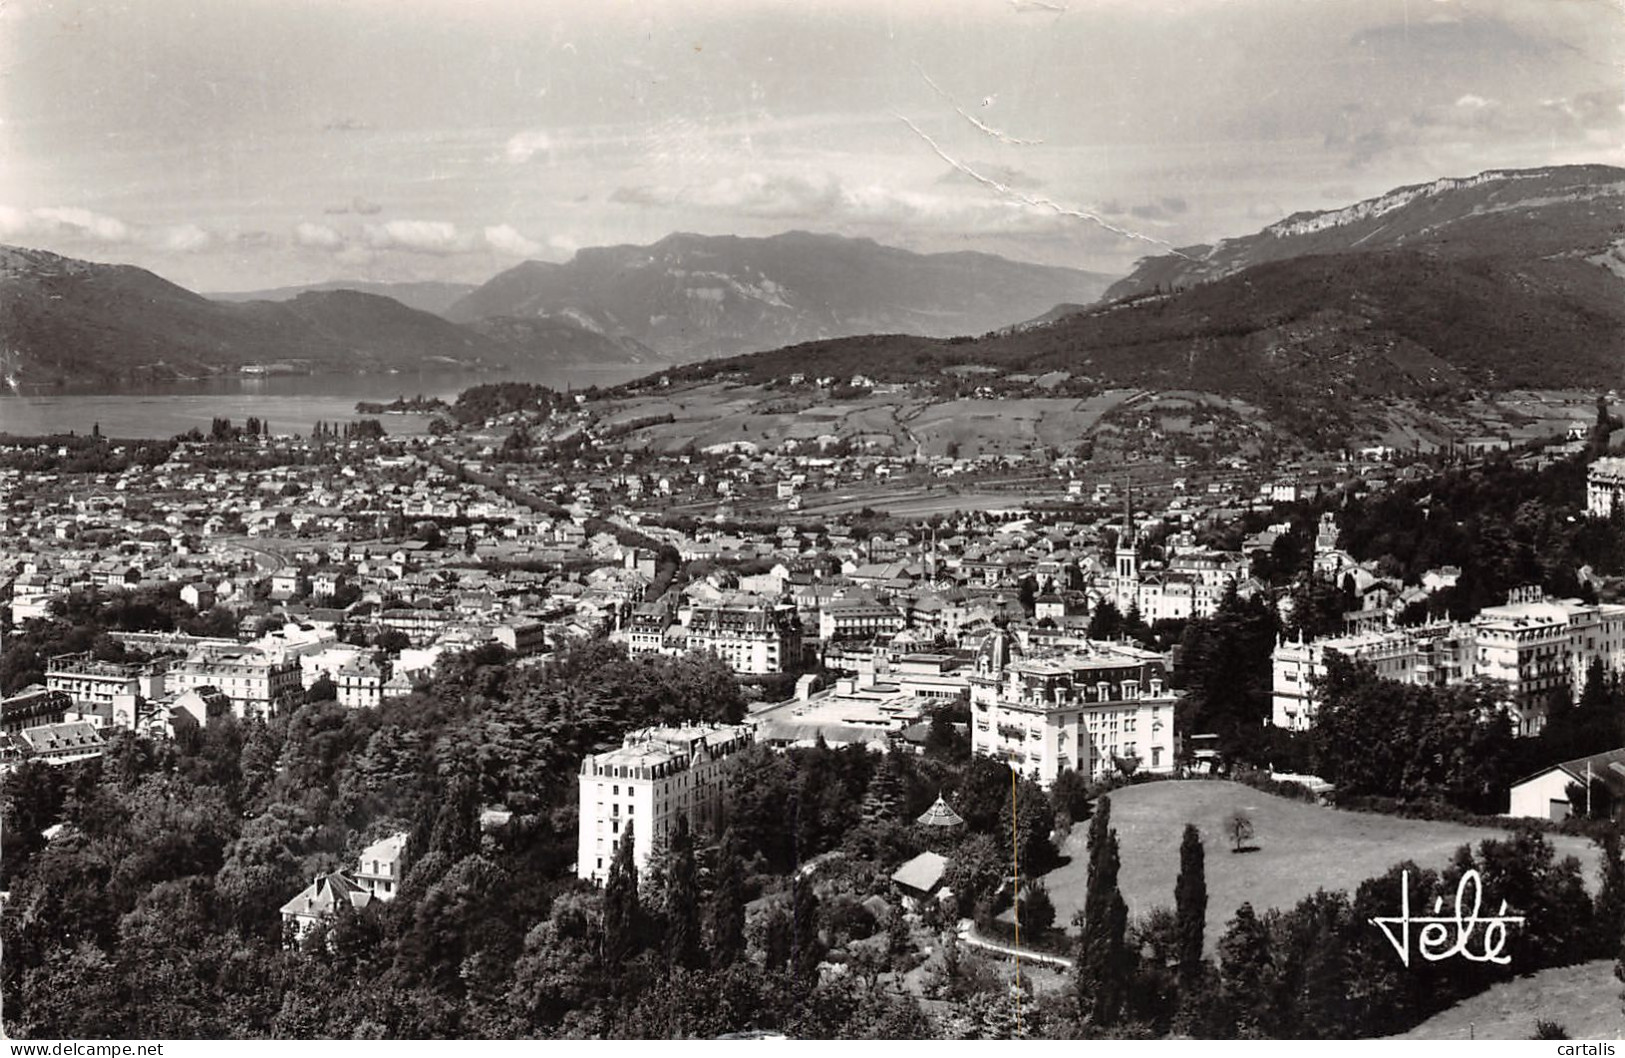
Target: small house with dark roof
(1545, 794)
(921, 878)
(62, 743)
(320, 900)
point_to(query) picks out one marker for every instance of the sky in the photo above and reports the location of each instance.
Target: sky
(256, 143)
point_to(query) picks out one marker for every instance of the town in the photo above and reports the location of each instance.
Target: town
(675, 654)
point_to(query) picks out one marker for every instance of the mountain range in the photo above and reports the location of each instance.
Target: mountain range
(1505, 280)
(693, 297)
(425, 297)
(69, 321)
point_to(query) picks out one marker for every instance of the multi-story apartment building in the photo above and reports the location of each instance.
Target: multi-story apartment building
(1537, 647)
(1090, 709)
(1542, 647)
(1175, 596)
(1605, 486)
(421, 626)
(1434, 654)
(93, 684)
(1193, 584)
(858, 619)
(646, 627)
(257, 684)
(752, 635)
(33, 708)
(656, 775)
(522, 637)
(360, 683)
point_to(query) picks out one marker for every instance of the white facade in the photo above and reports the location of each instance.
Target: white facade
(93, 684)
(653, 777)
(1540, 646)
(257, 684)
(360, 684)
(858, 619)
(753, 636)
(1433, 655)
(1088, 710)
(1537, 647)
(1543, 796)
(1605, 486)
(382, 865)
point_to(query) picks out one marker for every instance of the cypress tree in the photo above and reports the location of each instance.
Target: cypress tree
(1115, 964)
(621, 910)
(1610, 905)
(883, 800)
(728, 905)
(1244, 961)
(806, 952)
(457, 828)
(682, 901)
(1094, 909)
(1190, 907)
(1103, 956)
(1099, 823)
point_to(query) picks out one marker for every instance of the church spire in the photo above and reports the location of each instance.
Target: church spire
(1128, 554)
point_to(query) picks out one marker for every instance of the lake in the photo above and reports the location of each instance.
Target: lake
(289, 403)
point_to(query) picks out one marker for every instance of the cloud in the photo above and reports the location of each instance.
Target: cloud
(1370, 145)
(13, 222)
(76, 230)
(751, 193)
(1443, 37)
(319, 236)
(522, 146)
(1590, 110)
(82, 222)
(1163, 209)
(826, 202)
(355, 205)
(416, 236)
(186, 238)
(563, 243)
(1596, 117)
(503, 238)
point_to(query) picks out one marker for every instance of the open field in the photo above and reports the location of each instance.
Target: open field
(1300, 848)
(717, 413)
(915, 503)
(1584, 999)
(910, 422)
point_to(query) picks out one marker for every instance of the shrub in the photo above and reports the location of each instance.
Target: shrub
(1036, 910)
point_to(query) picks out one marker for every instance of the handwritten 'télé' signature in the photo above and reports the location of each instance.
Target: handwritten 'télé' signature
(1435, 938)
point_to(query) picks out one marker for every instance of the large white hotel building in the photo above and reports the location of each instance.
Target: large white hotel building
(654, 776)
(1092, 710)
